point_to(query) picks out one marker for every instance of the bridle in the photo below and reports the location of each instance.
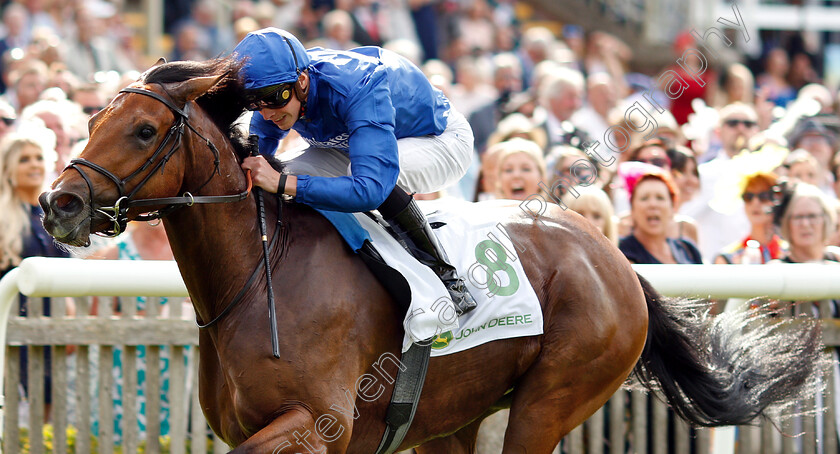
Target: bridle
(118, 213)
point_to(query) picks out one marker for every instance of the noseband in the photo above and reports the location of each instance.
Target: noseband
(118, 213)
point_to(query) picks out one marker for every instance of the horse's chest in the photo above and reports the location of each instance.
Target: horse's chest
(240, 389)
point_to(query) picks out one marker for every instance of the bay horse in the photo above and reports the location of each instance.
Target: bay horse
(167, 140)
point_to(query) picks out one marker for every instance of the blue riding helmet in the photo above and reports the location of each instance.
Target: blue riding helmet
(274, 56)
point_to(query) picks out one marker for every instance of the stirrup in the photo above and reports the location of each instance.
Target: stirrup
(460, 296)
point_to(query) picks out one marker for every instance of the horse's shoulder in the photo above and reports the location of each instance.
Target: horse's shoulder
(306, 222)
(303, 215)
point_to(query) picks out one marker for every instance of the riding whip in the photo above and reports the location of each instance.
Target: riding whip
(253, 145)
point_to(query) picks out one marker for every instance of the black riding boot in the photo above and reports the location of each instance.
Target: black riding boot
(411, 227)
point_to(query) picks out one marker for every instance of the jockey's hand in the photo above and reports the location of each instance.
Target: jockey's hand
(264, 176)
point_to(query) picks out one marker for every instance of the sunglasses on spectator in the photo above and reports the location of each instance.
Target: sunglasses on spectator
(658, 162)
(90, 110)
(763, 196)
(733, 122)
(8, 121)
(272, 97)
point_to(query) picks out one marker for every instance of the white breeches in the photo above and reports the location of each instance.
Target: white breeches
(427, 164)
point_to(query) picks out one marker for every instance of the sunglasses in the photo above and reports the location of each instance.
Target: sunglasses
(733, 122)
(271, 97)
(763, 196)
(658, 162)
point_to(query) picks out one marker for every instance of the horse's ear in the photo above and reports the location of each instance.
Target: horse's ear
(160, 61)
(189, 90)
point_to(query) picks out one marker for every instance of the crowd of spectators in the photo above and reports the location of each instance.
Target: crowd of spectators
(553, 89)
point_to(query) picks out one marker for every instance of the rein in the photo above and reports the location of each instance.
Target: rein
(118, 213)
(260, 266)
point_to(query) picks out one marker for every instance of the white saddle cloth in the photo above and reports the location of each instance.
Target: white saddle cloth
(479, 248)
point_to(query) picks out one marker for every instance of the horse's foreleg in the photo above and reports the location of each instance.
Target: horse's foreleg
(292, 432)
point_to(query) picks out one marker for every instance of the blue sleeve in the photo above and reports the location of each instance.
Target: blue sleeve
(268, 133)
(369, 114)
(375, 166)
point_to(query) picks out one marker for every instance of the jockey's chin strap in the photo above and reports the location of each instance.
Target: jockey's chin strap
(118, 213)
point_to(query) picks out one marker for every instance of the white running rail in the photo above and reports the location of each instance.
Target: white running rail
(52, 277)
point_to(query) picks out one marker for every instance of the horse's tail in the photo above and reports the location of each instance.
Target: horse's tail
(728, 369)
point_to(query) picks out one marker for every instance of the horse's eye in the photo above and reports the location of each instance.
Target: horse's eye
(146, 133)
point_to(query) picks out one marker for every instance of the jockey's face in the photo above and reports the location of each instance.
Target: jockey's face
(285, 117)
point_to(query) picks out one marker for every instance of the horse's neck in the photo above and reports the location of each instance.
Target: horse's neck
(216, 245)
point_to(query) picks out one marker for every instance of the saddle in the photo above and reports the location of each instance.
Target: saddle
(516, 312)
(414, 362)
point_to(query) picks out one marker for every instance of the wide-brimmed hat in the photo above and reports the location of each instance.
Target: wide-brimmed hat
(740, 170)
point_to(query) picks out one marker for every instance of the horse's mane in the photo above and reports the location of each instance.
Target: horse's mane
(223, 104)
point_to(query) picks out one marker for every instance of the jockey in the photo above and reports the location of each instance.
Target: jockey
(376, 128)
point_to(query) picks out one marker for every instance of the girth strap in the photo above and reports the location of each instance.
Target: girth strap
(406, 396)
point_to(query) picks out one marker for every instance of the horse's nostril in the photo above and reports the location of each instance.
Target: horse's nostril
(68, 203)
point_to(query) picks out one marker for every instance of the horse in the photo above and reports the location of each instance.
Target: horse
(166, 143)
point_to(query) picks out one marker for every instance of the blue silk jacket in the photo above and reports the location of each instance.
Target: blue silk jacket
(360, 102)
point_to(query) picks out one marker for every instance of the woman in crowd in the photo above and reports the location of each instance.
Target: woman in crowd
(738, 86)
(685, 173)
(808, 222)
(570, 167)
(802, 166)
(681, 164)
(594, 204)
(653, 196)
(23, 167)
(759, 199)
(651, 151)
(654, 151)
(520, 169)
(773, 79)
(513, 126)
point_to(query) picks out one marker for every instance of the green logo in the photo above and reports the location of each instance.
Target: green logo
(442, 341)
